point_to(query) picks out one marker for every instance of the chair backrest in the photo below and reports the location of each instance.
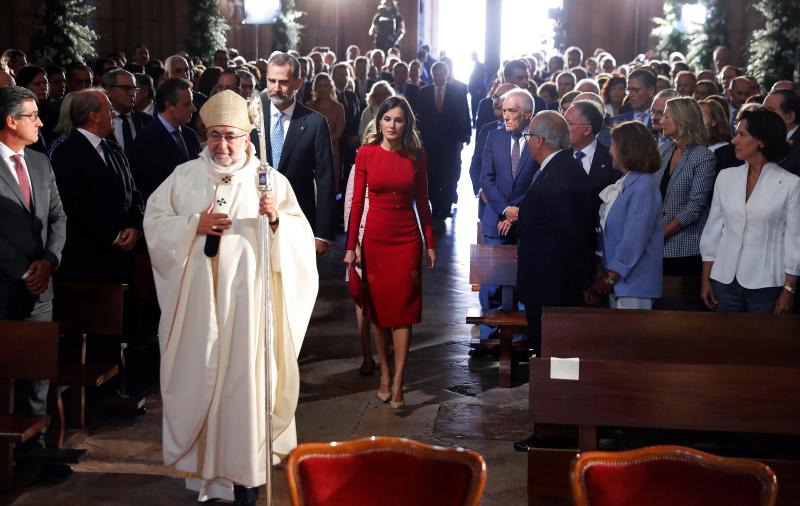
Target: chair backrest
(28, 350)
(494, 264)
(384, 470)
(89, 308)
(670, 475)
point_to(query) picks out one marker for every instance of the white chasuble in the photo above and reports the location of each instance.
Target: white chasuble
(212, 347)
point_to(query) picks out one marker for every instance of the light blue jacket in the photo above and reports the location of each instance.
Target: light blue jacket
(633, 238)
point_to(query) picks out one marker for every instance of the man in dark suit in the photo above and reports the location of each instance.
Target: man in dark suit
(786, 104)
(104, 206)
(349, 142)
(556, 225)
(515, 72)
(402, 85)
(120, 86)
(641, 90)
(33, 230)
(445, 125)
(298, 144)
(167, 142)
(506, 173)
(480, 144)
(585, 121)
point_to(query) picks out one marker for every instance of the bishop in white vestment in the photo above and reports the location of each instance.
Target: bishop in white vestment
(211, 339)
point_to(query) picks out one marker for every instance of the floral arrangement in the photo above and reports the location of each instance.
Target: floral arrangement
(669, 36)
(773, 50)
(712, 34)
(207, 29)
(60, 34)
(287, 29)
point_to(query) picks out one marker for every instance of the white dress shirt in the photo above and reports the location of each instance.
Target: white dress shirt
(6, 153)
(755, 242)
(791, 132)
(285, 119)
(94, 140)
(588, 155)
(118, 128)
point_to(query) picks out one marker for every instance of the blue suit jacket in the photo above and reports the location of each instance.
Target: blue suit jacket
(633, 238)
(628, 116)
(500, 188)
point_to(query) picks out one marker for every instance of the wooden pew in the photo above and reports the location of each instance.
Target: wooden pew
(28, 350)
(674, 370)
(82, 310)
(496, 264)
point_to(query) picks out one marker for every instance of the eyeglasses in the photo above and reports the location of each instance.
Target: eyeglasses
(126, 88)
(633, 91)
(578, 124)
(527, 136)
(33, 116)
(229, 138)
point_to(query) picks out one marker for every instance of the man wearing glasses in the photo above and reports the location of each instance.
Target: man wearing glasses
(213, 374)
(120, 86)
(641, 90)
(32, 233)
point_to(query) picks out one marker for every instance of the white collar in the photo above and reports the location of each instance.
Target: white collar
(288, 112)
(791, 132)
(7, 152)
(549, 157)
(589, 149)
(93, 139)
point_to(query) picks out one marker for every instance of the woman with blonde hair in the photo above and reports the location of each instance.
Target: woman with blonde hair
(324, 101)
(719, 135)
(64, 126)
(686, 178)
(379, 92)
(393, 165)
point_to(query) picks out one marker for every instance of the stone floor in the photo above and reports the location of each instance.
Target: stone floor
(452, 400)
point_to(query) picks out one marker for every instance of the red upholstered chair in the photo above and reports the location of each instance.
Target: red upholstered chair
(385, 471)
(668, 476)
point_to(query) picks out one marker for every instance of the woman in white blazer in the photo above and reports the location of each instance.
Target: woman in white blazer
(751, 242)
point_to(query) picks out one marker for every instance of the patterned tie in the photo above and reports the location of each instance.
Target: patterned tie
(179, 141)
(579, 155)
(127, 134)
(276, 139)
(22, 176)
(439, 98)
(514, 154)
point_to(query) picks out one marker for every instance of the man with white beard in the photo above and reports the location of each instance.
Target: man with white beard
(213, 371)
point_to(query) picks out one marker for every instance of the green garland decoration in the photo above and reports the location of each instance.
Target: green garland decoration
(60, 34)
(774, 51)
(207, 29)
(666, 31)
(287, 30)
(713, 33)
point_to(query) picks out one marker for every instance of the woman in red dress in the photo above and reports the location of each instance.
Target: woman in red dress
(393, 165)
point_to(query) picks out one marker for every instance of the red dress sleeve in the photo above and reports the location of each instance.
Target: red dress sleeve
(421, 198)
(359, 193)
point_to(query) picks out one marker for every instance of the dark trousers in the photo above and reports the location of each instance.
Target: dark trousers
(30, 396)
(683, 266)
(533, 313)
(734, 298)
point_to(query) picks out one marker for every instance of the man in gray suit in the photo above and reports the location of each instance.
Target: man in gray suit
(32, 229)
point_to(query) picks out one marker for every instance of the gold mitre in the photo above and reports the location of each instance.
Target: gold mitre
(226, 108)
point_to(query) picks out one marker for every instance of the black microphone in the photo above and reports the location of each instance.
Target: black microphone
(212, 246)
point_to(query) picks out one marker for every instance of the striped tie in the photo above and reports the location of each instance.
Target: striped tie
(276, 139)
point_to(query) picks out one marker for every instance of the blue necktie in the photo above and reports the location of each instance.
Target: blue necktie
(579, 155)
(276, 139)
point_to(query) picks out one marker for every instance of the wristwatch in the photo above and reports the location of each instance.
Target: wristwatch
(790, 288)
(610, 281)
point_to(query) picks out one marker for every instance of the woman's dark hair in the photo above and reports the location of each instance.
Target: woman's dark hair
(27, 74)
(411, 140)
(610, 83)
(635, 147)
(769, 128)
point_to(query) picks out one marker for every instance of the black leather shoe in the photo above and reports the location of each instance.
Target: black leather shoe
(245, 496)
(526, 444)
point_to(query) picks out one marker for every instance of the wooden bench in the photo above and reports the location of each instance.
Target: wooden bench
(671, 370)
(82, 310)
(496, 264)
(28, 350)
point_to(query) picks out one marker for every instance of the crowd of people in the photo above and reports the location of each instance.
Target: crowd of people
(607, 176)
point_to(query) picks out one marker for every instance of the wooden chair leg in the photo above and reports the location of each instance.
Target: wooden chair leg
(505, 356)
(587, 437)
(6, 465)
(54, 437)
